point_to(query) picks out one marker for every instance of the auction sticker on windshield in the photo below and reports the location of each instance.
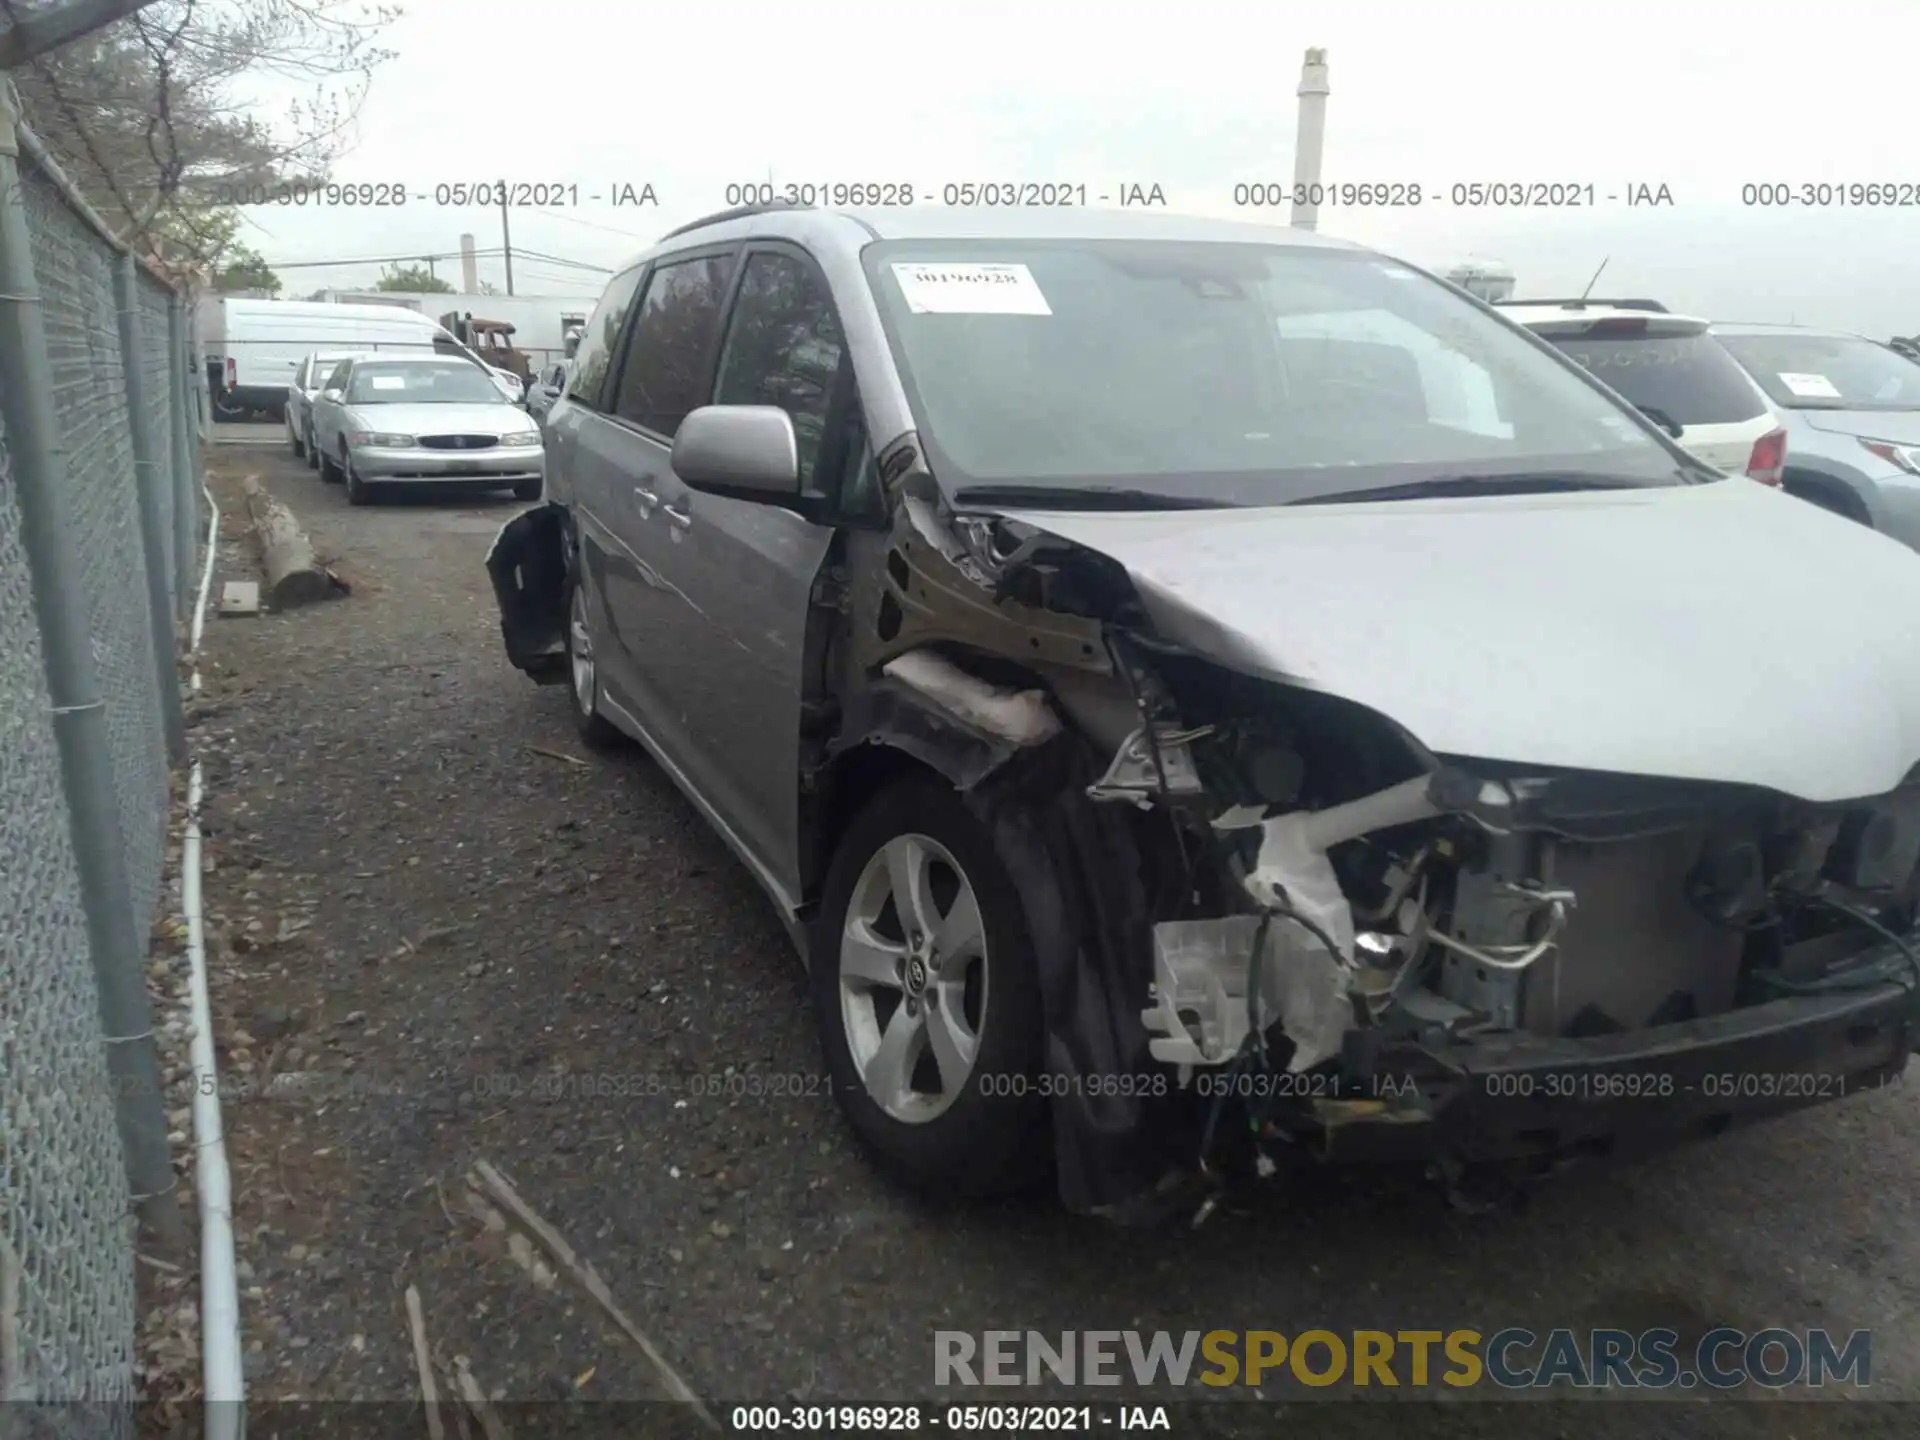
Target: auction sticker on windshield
(387, 382)
(970, 290)
(1810, 387)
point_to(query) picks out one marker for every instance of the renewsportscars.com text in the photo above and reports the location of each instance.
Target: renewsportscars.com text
(1510, 1359)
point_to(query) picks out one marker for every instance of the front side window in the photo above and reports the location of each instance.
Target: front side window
(667, 372)
(602, 334)
(1828, 372)
(452, 383)
(338, 379)
(1228, 373)
(784, 348)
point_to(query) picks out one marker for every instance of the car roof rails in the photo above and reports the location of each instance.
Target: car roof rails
(1594, 303)
(739, 212)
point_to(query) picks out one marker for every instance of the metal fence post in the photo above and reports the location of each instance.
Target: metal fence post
(184, 461)
(197, 366)
(151, 471)
(79, 712)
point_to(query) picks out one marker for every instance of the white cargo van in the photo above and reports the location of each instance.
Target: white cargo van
(253, 347)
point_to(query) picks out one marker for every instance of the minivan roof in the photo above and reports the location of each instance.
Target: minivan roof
(854, 229)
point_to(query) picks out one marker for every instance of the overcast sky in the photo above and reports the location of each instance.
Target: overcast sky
(1702, 97)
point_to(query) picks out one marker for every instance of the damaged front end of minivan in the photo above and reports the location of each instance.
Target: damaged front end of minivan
(1271, 925)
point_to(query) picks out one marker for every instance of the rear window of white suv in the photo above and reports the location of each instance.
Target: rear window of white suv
(1688, 378)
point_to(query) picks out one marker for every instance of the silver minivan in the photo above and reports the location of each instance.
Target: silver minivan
(1207, 698)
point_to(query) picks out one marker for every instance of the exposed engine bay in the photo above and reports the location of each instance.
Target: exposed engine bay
(1329, 938)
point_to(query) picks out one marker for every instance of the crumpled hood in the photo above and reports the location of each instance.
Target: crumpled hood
(1721, 632)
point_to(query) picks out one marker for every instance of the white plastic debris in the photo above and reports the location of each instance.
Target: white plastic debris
(1020, 717)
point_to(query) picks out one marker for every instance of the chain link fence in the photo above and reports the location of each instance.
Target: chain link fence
(98, 492)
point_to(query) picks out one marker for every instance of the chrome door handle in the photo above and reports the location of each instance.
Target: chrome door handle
(646, 499)
(682, 518)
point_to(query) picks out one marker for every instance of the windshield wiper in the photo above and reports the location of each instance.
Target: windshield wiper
(1535, 482)
(1660, 417)
(1083, 497)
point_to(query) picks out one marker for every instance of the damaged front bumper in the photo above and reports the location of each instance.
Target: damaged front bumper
(529, 565)
(1517, 1097)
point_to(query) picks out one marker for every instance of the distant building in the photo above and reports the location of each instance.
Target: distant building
(540, 322)
(1488, 279)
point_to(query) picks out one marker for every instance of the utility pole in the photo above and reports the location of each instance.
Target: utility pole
(432, 274)
(506, 236)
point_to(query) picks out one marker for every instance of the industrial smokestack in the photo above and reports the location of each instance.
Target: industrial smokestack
(1310, 140)
(469, 267)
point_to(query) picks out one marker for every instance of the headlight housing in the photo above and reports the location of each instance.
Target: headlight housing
(1902, 455)
(379, 439)
(521, 437)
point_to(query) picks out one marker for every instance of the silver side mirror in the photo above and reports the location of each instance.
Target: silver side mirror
(746, 451)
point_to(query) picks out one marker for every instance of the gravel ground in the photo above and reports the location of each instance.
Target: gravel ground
(416, 913)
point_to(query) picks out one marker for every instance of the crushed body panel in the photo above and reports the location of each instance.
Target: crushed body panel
(1614, 631)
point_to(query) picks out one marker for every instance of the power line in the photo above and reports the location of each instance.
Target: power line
(590, 224)
(562, 260)
(420, 257)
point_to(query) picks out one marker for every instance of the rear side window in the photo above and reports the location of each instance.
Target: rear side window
(1689, 379)
(668, 370)
(596, 351)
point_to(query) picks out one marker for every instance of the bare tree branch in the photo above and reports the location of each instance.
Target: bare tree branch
(159, 119)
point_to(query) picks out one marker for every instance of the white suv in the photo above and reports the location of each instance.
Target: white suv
(1673, 371)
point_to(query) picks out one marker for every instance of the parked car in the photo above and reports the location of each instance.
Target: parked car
(1852, 409)
(1165, 669)
(548, 386)
(253, 347)
(308, 378)
(421, 420)
(1669, 367)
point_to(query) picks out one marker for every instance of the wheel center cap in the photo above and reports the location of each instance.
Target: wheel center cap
(916, 974)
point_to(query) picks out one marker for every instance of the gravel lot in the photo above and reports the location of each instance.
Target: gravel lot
(416, 913)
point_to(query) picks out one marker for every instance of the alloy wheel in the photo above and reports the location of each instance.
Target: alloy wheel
(913, 978)
(580, 652)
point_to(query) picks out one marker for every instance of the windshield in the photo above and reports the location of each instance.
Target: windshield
(1237, 373)
(1828, 372)
(1686, 377)
(454, 383)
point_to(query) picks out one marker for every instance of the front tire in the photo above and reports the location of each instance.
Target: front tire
(359, 492)
(529, 490)
(313, 451)
(298, 445)
(929, 1007)
(583, 675)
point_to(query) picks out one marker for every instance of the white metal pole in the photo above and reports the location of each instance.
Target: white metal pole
(1310, 141)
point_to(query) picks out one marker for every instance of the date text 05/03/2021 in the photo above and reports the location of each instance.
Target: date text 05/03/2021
(888, 194)
(1073, 1420)
(443, 194)
(1385, 1085)
(1460, 194)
